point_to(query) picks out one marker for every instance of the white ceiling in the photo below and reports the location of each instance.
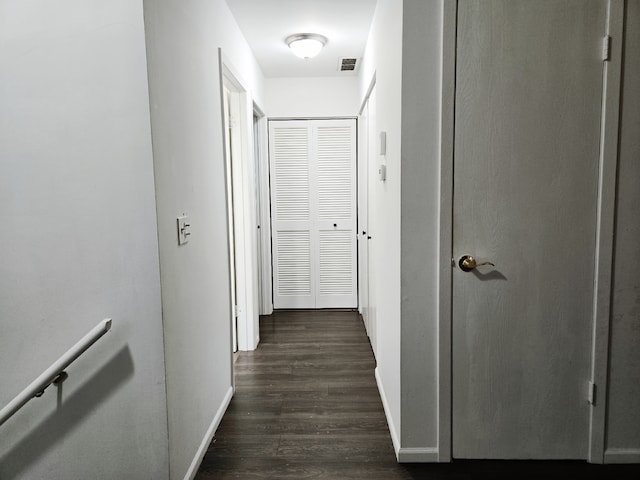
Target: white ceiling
(266, 23)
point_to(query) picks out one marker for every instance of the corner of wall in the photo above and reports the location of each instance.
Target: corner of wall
(393, 431)
(192, 471)
(420, 229)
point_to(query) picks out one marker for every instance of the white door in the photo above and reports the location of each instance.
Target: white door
(527, 136)
(373, 185)
(363, 187)
(313, 208)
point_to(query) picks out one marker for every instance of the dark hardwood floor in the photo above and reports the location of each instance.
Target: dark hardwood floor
(307, 407)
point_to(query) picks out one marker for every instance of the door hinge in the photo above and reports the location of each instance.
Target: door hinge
(236, 311)
(606, 48)
(591, 397)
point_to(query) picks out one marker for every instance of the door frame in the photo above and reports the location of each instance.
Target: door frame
(243, 204)
(362, 227)
(226, 102)
(261, 156)
(356, 207)
(604, 231)
(367, 166)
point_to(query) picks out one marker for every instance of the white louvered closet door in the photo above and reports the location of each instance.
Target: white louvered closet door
(335, 189)
(313, 208)
(290, 170)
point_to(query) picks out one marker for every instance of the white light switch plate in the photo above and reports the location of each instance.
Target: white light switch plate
(183, 229)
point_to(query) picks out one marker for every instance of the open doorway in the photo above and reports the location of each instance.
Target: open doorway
(262, 211)
(238, 117)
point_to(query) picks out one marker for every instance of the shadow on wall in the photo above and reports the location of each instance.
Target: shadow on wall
(68, 415)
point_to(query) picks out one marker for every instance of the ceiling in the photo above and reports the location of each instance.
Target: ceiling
(266, 23)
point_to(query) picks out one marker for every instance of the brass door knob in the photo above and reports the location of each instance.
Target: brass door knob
(468, 263)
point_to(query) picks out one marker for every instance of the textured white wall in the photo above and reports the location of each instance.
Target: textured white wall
(79, 242)
(383, 56)
(312, 97)
(421, 74)
(182, 42)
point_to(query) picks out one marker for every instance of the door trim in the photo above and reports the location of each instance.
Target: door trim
(261, 142)
(604, 231)
(243, 207)
(445, 237)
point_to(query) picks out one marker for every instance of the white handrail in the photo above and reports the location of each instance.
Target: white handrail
(51, 374)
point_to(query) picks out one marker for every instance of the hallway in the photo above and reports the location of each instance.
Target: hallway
(306, 406)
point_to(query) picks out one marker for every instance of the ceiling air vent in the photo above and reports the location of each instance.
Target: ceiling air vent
(347, 64)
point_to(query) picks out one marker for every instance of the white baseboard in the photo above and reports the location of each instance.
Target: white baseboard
(392, 429)
(418, 455)
(206, 441)
(404, 455)
(622, 455)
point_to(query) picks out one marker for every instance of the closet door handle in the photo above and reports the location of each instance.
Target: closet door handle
(468, 263)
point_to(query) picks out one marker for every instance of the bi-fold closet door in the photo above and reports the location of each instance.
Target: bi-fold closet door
(313, 213)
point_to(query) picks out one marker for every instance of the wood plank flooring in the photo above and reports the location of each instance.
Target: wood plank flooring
(307, 407)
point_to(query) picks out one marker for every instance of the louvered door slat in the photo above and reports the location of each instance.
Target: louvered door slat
(291, 173)
(335, 173)
(294, 262)
(336, 257)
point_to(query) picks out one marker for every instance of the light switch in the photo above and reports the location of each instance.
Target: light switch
(183, 229)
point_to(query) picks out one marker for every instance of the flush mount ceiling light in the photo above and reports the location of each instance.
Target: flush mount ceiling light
(306, 45)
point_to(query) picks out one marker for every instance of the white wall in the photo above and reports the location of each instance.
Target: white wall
(184, 81)
(421, 87)
(312, 97)
(383, 58)
(404, 55)
(79, 242)
(623, 414)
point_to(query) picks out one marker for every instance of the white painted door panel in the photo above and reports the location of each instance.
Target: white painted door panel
(527, 135)
(334, 142)
(313, 199)
(289, 146)
(373, 186)
(363, 250)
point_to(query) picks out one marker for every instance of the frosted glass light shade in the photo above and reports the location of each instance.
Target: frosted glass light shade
(306, 45)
